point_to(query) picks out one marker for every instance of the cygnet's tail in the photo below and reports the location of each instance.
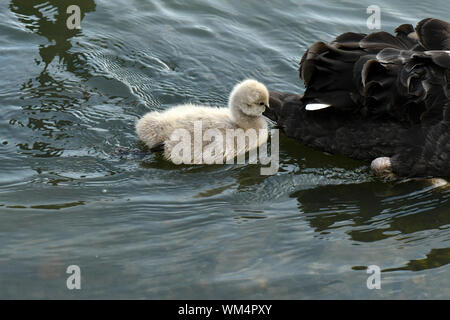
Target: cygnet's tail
(151, 129)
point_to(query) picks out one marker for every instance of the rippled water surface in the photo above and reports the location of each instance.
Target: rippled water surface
(140, 227)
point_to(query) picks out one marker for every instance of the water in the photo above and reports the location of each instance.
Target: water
(143, 228)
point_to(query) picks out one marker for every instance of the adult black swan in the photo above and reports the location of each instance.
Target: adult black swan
(376, 97)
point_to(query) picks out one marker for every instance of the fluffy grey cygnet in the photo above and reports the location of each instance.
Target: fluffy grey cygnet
(247, 102)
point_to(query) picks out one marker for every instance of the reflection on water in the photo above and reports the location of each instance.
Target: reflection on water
(141, 227)
(372, 212)
(52, 95)
(376, 211)
(48, 18)
(435, 259)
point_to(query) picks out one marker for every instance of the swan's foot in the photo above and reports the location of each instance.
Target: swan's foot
(383, 168)
(439, 183)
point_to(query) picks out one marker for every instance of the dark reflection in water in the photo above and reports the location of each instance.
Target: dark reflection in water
(48, 18)
(435, 259)
(373, 212)
(47, 98)
(368, 204)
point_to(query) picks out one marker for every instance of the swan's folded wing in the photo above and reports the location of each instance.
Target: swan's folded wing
(408, 85)
(380, 74)
(327, 71)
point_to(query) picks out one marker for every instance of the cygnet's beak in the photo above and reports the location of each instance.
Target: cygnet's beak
(267, 106)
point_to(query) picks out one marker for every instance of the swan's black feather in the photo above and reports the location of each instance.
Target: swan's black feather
(380, 74)
(434, 34)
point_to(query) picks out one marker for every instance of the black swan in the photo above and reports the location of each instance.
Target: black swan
(378, 98)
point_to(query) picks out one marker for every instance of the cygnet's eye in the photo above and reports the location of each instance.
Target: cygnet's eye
(261, 103)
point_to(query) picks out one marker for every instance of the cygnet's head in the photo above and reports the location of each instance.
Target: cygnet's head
(249, 97)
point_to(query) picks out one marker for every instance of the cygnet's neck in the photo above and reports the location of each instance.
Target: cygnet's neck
(245, 121)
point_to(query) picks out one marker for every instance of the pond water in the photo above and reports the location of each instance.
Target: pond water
(140, 227)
